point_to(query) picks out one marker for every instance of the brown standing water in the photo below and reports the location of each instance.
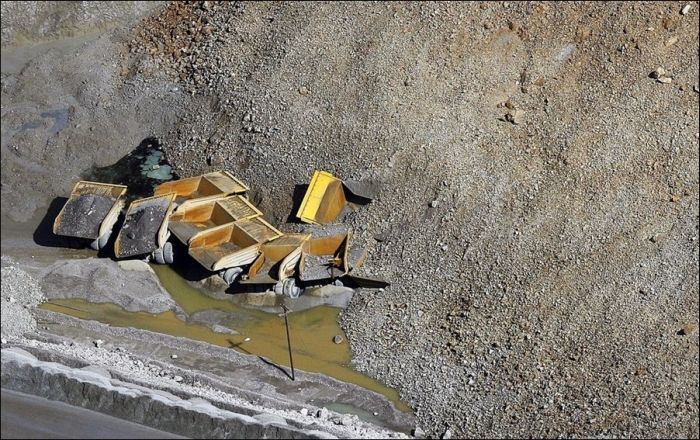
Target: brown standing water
(311, 331)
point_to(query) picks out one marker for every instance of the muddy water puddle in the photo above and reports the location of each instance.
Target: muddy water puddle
(257, 332)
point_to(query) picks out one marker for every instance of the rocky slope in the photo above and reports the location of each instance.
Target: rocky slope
(539, 217)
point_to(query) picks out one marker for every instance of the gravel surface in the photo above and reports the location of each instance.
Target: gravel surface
(20, 293)
(539, 214)
(83, 216)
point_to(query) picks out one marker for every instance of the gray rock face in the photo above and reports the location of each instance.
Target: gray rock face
(22, 371)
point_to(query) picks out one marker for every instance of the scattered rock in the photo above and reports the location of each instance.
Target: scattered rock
(178, 378)
(515, 117)
(304, 412)
(98, 342)
(322, 413)
(657, 238)
(447, 434)
(659, 72)
(664, 80)
(4, 341)
(685, 9)
(337, 339)
(417, 432)
(173, 356)
(687, 329)
(671, 41)
(303, 91)
(434, 204)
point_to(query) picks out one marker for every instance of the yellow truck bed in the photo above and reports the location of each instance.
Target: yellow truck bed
(206, 186)
(145, 226)
(91, 210)
(231, 245)
(324, 199)
(200, 215)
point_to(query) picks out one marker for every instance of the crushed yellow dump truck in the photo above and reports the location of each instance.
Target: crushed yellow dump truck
(223, 231)
(327, 197)
(90, 213)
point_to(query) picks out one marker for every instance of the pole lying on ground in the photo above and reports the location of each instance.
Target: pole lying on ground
(289, 344)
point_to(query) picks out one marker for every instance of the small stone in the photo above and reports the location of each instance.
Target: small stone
(337, 339)
(641, 371)
(322, 413)
(516, 117)
(687, 329)
(659, 72)
(173, 356)
(671, 41)
(4, 341)
(685, 9)
(664, 80)
(98, 342)
(656, 238)
(434, 204)
(11, 299)
(447, 434)
(178, 378)
(304, 412)
(303, 91)
(417, 432)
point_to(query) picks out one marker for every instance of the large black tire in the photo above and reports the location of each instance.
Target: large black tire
(229, 275)
(101, 242)
(287, 288)
(158, 256)
(95, 245)
(168, 254)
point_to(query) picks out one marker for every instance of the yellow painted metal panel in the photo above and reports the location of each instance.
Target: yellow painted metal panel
(311, 205)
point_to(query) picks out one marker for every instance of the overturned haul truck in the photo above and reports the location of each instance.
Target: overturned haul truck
(223, 231)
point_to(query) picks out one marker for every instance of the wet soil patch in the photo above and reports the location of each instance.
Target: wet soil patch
(141, 170)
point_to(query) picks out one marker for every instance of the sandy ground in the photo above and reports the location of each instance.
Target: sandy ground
(539, 215)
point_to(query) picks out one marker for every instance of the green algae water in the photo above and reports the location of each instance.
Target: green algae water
(259, 333)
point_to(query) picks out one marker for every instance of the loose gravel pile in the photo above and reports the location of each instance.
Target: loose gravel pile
(83, 216)
(20, 293)
(539, 213)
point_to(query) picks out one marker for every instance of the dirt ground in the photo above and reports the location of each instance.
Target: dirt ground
(539, 212)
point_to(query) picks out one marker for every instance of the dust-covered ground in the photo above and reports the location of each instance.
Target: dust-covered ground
(539, 213)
